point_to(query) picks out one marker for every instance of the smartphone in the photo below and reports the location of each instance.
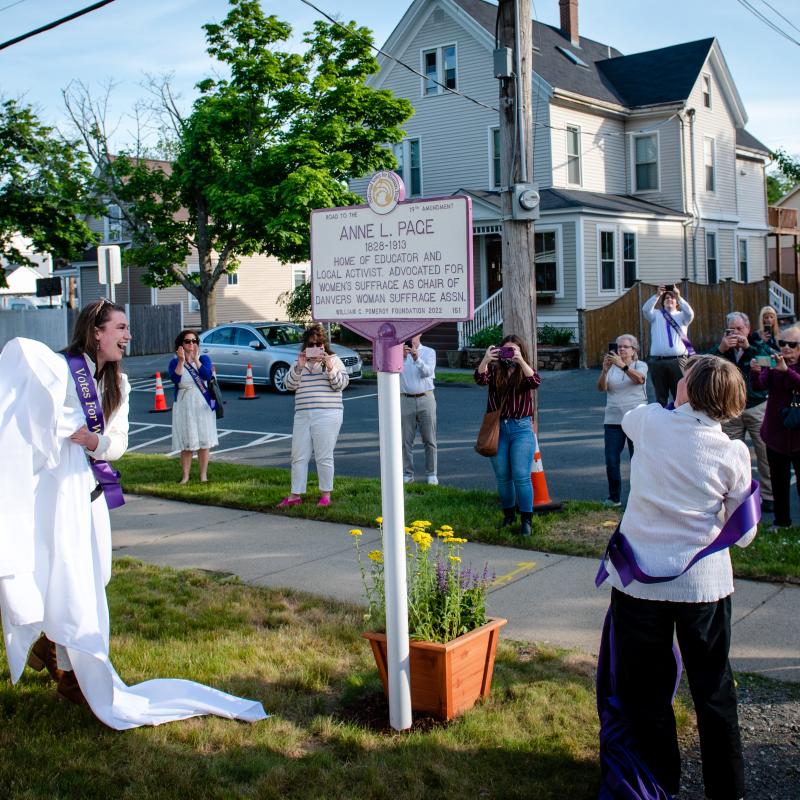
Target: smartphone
(766, 361)
(315, 352)
(409, 344)
(506, 352)
(730, 332)
(613, 347)
(669, 287)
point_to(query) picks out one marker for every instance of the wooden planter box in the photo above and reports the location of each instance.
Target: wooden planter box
(446, 679)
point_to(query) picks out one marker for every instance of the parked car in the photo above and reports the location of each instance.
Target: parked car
(271, 347)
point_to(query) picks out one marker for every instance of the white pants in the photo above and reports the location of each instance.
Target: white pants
(314, 432)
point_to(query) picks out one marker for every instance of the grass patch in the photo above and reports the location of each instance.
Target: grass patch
(581, 528)
(536, 736)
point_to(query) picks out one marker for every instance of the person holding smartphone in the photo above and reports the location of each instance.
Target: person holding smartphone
(623, 378)
(669, 316)
(317, 379)
(740, 349)
(418, 407)
(511, 380)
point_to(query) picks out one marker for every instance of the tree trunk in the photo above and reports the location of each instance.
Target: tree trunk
(207, 299)
(519, 280)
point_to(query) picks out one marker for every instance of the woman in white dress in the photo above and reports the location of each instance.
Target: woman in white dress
(194, 423)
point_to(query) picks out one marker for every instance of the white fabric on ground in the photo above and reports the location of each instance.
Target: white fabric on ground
(55, 550)
(194, 424)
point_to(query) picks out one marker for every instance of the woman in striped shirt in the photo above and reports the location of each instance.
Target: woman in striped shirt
(317, 378)
(511, 380)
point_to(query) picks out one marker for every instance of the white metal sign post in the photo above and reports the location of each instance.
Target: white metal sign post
(109, 267)
(388, 271)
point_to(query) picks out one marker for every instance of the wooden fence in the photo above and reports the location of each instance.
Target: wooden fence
(154, 328)
(710, 304)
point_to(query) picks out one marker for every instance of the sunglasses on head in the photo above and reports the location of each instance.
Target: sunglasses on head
(191, 341)
(784, 343)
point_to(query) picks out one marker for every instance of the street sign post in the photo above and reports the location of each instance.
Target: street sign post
(109, 266)
(388, 271)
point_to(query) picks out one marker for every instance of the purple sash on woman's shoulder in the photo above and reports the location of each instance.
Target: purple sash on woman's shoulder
(198, 382)
(105, 475)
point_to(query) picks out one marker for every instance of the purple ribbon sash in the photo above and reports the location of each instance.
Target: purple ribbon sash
(212, 403)
(619, 550)
(672, 324)
(104, 473)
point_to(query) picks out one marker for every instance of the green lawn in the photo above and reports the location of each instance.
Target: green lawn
(535, 737)
(441, 377)
(581, 528)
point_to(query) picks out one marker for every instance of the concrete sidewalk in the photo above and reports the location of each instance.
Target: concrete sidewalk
(546, 598)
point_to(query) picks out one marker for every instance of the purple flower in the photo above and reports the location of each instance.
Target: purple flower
(441, 576)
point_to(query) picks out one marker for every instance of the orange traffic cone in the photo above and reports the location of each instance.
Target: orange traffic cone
(161, 400)
(541, 497)
(249, 388)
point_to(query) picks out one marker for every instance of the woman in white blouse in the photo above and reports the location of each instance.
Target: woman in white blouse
(623, 378)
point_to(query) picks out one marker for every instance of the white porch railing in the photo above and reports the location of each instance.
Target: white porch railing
(488, 313)
(781, 300)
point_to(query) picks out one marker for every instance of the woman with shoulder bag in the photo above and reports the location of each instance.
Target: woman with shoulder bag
(777, 432)
(194, 421)
(510, 378)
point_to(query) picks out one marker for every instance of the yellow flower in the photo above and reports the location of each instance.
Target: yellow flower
(456, 540)
(408, 531)
(376, 556)
(425, 545)
(456, 559)
(446, 528)
(379, 520)
(356, 532)
(420, 523)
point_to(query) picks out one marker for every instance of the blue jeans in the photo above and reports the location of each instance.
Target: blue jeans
(513, 463)
(615, 439)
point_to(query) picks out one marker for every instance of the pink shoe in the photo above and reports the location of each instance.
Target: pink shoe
(324, 501)
(289, 501)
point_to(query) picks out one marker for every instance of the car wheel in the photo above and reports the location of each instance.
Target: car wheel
(278, 377)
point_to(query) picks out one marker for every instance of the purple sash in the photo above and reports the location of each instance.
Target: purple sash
(619, 550)
(198, 381)
(672, 324)
(104, 474)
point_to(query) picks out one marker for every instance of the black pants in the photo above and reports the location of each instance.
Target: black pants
(665, 374)
(646, 679)
(780, 470)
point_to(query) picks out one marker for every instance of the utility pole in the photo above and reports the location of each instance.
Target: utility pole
(520, 201)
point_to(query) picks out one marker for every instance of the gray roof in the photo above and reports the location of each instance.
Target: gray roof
(745, 139)
(572, 199)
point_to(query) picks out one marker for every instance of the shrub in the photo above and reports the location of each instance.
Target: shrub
(492, 334)
(548, 334)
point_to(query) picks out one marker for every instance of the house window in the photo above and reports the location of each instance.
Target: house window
(299, 276)
(608, 262)
(645, 149)
(707, 91)
(194, 305)
(574, 155)
(546, 261)
(409, 165)
(708, 162)
(496, 177)
(711, 258)
(743, 260)
(629, 267)
(233, 278)
(112, 223)
(440, 70)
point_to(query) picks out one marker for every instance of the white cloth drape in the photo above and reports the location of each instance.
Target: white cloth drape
(55, 550)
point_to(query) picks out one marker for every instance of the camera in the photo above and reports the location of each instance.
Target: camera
(766, 361)
(613, 347)
(409, 344)
(315, 352)
(669, 287)
(506, 353)
(730, 332)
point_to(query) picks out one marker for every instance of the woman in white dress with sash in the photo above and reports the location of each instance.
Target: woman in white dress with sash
(194, 422)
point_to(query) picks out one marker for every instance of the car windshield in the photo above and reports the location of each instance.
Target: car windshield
(281, 334)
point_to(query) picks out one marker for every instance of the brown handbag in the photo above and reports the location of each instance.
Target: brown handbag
(489, 434)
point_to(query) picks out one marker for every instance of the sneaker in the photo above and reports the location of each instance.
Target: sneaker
(609, 503)
(408, 479)
(289, 501)
(433, 480)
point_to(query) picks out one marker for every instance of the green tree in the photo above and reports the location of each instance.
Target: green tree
(278, 137)
(45, 188)
(784, 177)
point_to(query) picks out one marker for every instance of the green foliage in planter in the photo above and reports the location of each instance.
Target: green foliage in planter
(492, 334)
(548, 334)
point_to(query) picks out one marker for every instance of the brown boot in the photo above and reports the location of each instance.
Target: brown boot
(69, 688)
(43, 656)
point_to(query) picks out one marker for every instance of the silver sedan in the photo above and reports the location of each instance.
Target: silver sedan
(271, 347)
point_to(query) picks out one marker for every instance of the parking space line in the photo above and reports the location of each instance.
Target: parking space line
(267, 438)
(148, 443)
(220, 435)
(360, 396)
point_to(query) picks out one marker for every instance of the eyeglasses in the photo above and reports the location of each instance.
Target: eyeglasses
(625, 346)
(784, 343)
(191, 341)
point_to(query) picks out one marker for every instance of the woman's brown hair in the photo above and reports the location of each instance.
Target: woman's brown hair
(314, 330)
(180, 337)
(83, 342)
(509, 377)
(660, 301)
(715, 386)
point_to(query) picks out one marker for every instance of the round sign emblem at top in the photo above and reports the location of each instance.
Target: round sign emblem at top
(384, 191)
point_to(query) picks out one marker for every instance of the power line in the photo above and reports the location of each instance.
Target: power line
(397, 60)
(785, 19)
(11, 5)
(51, 25)
(768, 22)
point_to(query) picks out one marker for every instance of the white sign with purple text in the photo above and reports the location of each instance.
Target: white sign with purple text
(414, 262)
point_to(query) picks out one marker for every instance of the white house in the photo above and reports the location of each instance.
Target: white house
(644, 165)
(21, 279)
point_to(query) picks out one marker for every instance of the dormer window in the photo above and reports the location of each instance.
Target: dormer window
(645, 162)
(707, 91)
(440, 70)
